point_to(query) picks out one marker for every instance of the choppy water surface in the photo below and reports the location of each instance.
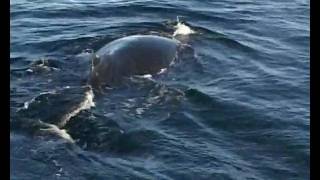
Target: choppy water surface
(238, 110)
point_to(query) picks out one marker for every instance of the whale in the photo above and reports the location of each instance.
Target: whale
(132, 55)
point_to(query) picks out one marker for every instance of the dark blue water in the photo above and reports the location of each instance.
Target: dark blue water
(238, 110)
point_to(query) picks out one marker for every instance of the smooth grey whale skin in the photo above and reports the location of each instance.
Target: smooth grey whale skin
(131, 55)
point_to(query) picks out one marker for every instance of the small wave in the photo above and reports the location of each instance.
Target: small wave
(27, 103)
(70, 45)
(43, 65)
(98, 133)
(208, 34)
(197, 96)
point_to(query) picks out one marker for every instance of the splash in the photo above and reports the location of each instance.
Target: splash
(182, 29)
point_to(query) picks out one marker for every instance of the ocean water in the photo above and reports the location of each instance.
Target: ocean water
(237, 108)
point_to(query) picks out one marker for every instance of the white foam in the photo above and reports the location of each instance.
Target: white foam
(144, 76)
(27, 103)
(60, 132)
(87, 103)
(49, 92)
(182, 29)
(139, 111)
(162, 70)
(147, 76)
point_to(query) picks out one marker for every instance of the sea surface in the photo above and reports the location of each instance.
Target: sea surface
(237, 108)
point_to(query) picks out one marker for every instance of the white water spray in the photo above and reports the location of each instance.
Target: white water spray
(182, 29)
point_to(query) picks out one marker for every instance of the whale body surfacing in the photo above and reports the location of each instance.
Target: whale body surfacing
(131, 55)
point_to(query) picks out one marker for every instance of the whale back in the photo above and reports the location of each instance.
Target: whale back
(133, 55)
